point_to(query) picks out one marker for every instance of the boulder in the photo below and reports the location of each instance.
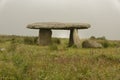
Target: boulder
(91, 44)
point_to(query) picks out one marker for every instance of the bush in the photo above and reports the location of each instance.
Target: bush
(56, 41)
(92, 37)
(118, 44)
(30, 40)
(105, 44)
(102, 38)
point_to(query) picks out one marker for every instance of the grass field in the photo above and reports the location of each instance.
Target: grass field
(20, 61)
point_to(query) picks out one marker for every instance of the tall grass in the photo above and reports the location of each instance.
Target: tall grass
(33, 62)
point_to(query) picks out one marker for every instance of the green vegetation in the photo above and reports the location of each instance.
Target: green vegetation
(106, 43)
(98, 38)
(24, 61)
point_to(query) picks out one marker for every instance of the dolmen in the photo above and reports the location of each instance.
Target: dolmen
(45, 31)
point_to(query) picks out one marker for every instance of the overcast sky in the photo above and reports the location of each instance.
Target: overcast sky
(103, 15)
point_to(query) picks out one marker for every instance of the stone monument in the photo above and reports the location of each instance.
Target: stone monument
(45, 31)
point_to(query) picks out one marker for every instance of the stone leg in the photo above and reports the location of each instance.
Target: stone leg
(74, 38)
(71, 42)
(44, 37)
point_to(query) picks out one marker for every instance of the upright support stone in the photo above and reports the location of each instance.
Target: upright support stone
(44, 36)
(71, 41)
(74, 38)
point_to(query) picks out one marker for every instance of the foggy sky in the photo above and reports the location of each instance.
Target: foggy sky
(103, 15)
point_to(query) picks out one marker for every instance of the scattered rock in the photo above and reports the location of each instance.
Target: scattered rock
(2, 49)
(91, 44)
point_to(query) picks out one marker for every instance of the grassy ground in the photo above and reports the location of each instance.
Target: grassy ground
(20, 61)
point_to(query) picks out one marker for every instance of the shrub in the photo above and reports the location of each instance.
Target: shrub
(105, 44)
(56, 41)
(114, 44)
(35, 40)
(92, 37)
(102, 38)
(30, 40)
